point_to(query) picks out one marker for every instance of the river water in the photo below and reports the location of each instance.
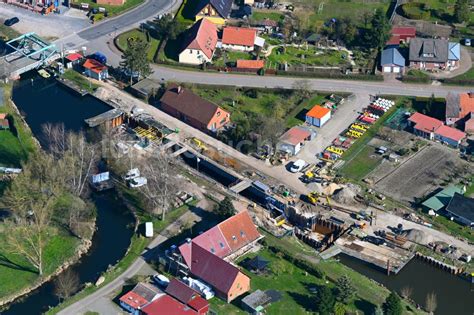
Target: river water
(43, 101)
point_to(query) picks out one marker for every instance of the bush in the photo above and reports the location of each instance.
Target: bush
(416, 79)
(331, 75)
(415, 11)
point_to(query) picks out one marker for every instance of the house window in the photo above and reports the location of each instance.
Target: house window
(213, 250)
(242, 233)
(234, 237)
(221, 244)
(218, 114)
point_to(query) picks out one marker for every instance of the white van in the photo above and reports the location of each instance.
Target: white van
(149, 229)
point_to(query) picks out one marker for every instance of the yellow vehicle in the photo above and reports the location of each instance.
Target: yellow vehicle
(354, 134)
(359, 127)
(335, 150)
(313, 198)
(199, 144)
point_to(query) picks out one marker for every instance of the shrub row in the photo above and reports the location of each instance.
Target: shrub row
(332, 75)
(415, 79)
(454, 81)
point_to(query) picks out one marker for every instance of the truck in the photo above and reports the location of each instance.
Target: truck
(148, 229)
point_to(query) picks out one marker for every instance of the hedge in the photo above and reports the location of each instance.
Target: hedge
(415, 79)
(454, 81)
(329, 75)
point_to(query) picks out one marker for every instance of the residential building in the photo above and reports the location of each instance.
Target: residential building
(459, 107)
(193, 110)
(392, 61)
(204, 255)
(461, 209)
(401, 34)
(227, 280)
(424, 126)
(217, 11)
(200, 43)
(167, 305)
(449, 135)
(95, 70)
(293, 139)
(188, 296)
(318, 116)
(250, 64)
(139, 297)
(434, 54)
(241, 38)
(441, 199)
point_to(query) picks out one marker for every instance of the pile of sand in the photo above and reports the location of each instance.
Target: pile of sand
(418, 236)
(347, 194)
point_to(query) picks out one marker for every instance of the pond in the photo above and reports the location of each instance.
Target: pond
(43, 101)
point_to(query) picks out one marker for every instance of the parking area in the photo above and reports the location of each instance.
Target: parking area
(51, 26)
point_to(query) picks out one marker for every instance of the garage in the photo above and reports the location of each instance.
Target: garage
(392, 61)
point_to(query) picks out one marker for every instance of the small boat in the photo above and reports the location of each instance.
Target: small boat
(44, 73)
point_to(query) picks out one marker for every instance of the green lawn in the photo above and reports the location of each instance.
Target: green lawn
(17, 143)
(297, 116)
(15, 271)
(362, 164)
(80, 80)
(262, 15)
(310, 56)
(469, 75)
(418, 73)
(185, 14)
(122, 41)
(454, 228)
(354, 9)
(112, 9)
(439, 10)
(227, 57)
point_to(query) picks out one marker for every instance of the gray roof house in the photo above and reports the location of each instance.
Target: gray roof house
(392, 60)
(223, 7)
(462, 209)
(429, 53)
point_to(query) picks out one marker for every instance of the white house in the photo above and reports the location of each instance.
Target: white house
(318, 116)
(200, 43)
(241, 38)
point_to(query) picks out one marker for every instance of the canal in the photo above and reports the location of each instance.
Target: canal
(44, 101)
(454, 295)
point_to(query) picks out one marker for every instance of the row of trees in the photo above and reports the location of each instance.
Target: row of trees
(50, 191)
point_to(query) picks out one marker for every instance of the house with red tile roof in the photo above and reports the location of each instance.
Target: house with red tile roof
(318, 116)
(167, 305)
(193, 110)
(140, 296)
(434, 129)
(401, 34)
(459, 107)
(250, 64)
(204, 255)
(95, 70)
(200, 43)
(240, 38)
(424, 126)
(292, 140)
(227, 280)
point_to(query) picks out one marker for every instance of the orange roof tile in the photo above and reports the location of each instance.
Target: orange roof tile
(450, 133)
(250, 64)
(466, 101)
(94, 66)
(425, 123)
(134, 300)
(202, 36)
(318, 112)
(239, 36)
(239, 230)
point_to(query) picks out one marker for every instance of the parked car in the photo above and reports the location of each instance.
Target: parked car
(467, 42)
(297, 166)
(11, 21)
(148, 229)
(131, 174)
(199, 286)
(161, 280)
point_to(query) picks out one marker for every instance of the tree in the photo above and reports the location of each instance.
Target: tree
(162, 183)
(135, 60)
(406, 292)
(339, 309)
(344, 289)
(461, 11)
(431, 302)
(66, 284)
(167, 27)
(325, 301)
(378, 311)
(393, 305)
(225, 208)
(379, 32)
(302, 88)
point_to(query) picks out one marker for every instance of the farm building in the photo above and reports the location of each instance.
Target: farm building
(449, 135)
(392, 61)
(292, 140)
(424, 126)
(318, 116)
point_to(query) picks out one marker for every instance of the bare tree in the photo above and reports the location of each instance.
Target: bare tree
(162, 183)
(431, 302)
(406, 292)
(66, 284)
(303, 88)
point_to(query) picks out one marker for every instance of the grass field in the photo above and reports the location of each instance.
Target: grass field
(17, 143)
(440, 10)
(310, 56)
(82, 81)
(113, 9)
(362, 164)
(185, 14)
(469, 75)
(262, 15)
(122, 41)
(15, 271)
(297, 115)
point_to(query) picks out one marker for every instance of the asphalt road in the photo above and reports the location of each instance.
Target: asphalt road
(349, 86)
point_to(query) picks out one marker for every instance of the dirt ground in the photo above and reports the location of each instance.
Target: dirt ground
(420, 173)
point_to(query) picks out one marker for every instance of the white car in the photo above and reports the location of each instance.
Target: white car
(137, 182)
(131, 174)
(297, 166)
(161, 280)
